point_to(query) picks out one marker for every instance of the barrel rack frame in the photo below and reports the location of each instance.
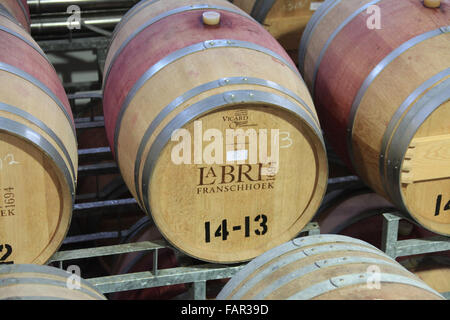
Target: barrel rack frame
(196, 274)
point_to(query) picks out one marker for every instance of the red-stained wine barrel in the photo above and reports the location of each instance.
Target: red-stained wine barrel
(205, 68)
(379, 73)
(17, 10)
(38, 151)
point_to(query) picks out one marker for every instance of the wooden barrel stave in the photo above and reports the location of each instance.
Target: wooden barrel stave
(191, 52)
(378, 142)
(22, 55)
(362, 59)
(392, 291)
(325, 267)
(145, 14)
(285, 250)
(41, 84)
(18, 10)
(371, 140)
(434, 270)
(160, 32)
(10, 25)
(39, 161)
(194, 62)
(33, 282)
(44, 130)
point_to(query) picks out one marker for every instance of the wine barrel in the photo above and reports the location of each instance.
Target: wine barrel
(169, 72)
(38, 151)
(145, 230)
(35, 282)
(17, 10)
(382, 94)
(325, 267)
(433, 270)
(284, 19)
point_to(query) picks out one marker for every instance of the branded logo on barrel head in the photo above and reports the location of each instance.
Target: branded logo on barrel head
(228, 178)
(238, 147)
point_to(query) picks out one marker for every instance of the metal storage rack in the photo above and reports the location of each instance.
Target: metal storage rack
(195, 274)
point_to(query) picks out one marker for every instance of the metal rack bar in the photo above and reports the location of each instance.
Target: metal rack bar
(390, 234)
(200, 290)
(92, 206)
(74, 44)
(106, 250)
(400, 248)
(95, 236)
(198, 275)
(98, 168)
(103, 153)
(165, 277)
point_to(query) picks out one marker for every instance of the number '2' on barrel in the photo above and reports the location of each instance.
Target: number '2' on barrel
(181, 78)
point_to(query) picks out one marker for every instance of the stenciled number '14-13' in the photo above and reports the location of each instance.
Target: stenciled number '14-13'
(222, 229)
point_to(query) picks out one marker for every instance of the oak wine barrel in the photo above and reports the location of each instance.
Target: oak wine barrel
(35, 282)
(381, 84)
(170, 67)
(433, 270)
(38, 151)
(284, 19)
(16, 10)
(326, 267)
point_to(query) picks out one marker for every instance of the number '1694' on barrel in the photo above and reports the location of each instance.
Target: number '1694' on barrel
(207, 67)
